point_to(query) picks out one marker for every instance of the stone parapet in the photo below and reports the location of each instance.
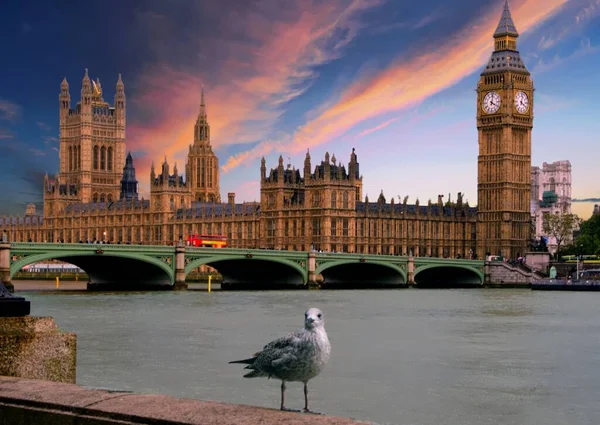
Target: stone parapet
(25, 401)
(34, 347)
(502, 274)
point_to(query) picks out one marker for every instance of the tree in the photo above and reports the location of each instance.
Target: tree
(560, 227)
(590, 235)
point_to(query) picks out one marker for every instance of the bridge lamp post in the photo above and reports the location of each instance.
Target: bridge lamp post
(104, 236)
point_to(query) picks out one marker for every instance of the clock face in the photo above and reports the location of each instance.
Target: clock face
(491, 102)
(521, 102)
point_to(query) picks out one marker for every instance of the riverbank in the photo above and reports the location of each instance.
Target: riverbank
(28, 401)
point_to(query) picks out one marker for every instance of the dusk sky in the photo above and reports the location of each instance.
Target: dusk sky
(394, 79)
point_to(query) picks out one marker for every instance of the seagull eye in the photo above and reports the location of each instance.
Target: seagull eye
(319, 316)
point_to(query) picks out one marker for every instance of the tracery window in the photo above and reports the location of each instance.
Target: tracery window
(95, 157)
(109, 159)
(103, 158)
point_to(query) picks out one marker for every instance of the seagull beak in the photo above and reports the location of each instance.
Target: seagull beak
(310, 319)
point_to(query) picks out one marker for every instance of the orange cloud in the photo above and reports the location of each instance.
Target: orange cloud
(408, 82)
(254, 82)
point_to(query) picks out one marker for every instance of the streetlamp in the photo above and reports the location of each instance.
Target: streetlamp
(579, 259)
(104, 237)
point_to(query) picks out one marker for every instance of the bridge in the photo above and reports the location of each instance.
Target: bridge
(113, 266)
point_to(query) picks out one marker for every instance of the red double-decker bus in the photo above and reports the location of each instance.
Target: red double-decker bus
(207, 241)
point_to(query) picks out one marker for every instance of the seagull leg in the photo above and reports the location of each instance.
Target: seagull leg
(306, 410)
(283, 399)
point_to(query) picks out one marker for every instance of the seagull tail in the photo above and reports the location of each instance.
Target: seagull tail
(245, 361)
(254, 374)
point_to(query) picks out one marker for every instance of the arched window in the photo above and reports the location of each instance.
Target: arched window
(333, 199)
(345, 200)
(102, 197)
(109, 197)
(552, 184)
(109, 159)
(172, 203)
(95, 157)
(103, 158)
(70, 158)
(95, 198)
(182, 202)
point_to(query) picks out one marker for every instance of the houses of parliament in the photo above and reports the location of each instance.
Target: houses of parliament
(94, 196)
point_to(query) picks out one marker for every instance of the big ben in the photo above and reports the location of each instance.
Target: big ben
(504, 124)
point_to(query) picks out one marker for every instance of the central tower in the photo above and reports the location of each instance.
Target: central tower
(202, 170)
(504, 124)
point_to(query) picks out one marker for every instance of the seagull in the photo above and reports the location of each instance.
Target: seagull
(296, 357)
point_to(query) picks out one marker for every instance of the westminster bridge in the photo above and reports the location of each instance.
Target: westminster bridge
(113, 266)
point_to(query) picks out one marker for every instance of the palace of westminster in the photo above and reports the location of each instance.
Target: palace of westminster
(94, 196)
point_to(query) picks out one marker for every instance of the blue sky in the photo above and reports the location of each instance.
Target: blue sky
(395, 80)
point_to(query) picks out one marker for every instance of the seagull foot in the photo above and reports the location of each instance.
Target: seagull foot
(285, 409)
(311, 412)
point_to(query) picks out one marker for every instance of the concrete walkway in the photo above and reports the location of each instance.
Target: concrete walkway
(27, 401)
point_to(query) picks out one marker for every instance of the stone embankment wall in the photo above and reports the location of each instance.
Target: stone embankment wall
(502, 274)
(26, 401)
(34, 347)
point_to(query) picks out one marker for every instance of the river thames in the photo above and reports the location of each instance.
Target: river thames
(422, 357)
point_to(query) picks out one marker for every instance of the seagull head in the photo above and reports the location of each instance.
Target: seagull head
(313, 318)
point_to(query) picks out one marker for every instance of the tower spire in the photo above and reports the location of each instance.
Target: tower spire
(505, 56)
(202, 104)
(506, 26)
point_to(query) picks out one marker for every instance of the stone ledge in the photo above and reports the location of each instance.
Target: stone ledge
(28, 401)
(35, 348)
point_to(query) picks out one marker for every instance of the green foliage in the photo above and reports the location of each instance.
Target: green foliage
(560, 226)
(588, 241)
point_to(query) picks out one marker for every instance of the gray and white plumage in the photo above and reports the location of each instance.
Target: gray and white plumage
(296, 357)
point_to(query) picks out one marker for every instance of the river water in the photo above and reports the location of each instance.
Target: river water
(422, 357)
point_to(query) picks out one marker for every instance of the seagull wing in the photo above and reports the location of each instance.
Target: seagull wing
(278, 355)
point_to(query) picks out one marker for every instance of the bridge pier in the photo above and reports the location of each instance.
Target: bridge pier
(179, 283)
(487, 276)
(314, 280)
(410, 275)
(5, 267)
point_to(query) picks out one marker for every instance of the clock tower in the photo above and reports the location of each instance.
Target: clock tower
(504, 124)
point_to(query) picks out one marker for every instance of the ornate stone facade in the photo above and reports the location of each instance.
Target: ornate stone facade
(554, 177)
(550, 194)
(319, 208)
(504, 124)
(92, 148)
(202, 170)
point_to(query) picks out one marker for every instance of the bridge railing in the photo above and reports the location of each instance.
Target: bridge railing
(79, 246)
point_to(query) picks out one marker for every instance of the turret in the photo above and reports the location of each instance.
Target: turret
(152, 174)
(86, 93)
(129, 184)
(120, 107)
(165, 172)
(202, 129)
(307, 166)
(176, 173)
(326, 167)
(353, 166)
(263, 169)
(64, 99)
(280, 169)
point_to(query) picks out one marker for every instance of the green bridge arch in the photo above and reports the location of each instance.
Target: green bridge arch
(478, 272)
(65, 255)
(199, 261)
(330, 264)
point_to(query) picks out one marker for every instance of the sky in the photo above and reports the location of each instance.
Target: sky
(393, 79)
